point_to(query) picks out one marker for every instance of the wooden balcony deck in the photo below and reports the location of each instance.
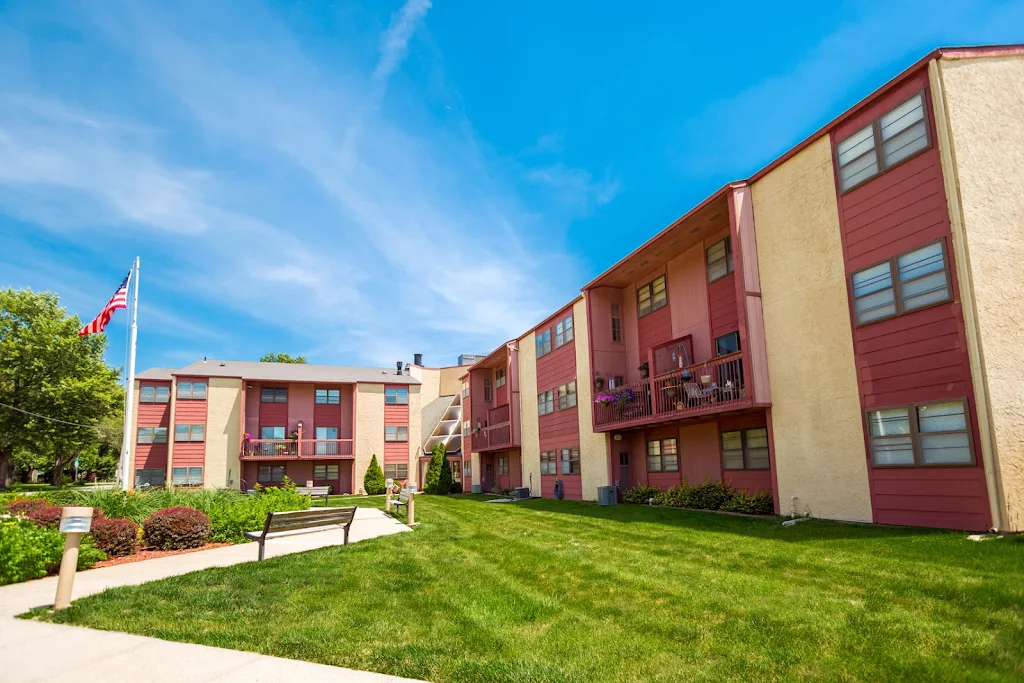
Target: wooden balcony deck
(297, 449)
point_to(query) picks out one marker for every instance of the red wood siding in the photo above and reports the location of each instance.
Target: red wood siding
(514, 478)
(191, 412)
(560, 429)
(396, 416)
(273, 415)
(654, 329)
(572, 486)
(326, 415)
(153, 456)
(501, 393)
(301, 472)
(722, 307)
(920, 356)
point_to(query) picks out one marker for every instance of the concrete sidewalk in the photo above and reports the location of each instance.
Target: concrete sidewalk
(35, 651)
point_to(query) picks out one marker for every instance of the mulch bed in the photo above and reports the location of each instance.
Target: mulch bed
(150, 554)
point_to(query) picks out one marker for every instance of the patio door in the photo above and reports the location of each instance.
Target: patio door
(624, 470)
(488, 482)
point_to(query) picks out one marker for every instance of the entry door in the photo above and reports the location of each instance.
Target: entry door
(624, 470)
(488, 483)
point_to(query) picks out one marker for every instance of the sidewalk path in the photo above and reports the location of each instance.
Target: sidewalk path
(37, 651)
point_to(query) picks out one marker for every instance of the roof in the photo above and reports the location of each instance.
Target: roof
(156, 373)
(942, 52)
(287, 372)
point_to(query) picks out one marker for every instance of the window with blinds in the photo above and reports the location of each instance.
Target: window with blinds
(920, 435)
(651, 297)
(903, 284)
(719, 259)
(890, 139)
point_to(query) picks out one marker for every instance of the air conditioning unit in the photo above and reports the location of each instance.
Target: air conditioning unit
(522, 493)
(607, 495)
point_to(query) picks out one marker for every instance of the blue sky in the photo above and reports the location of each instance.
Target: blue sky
(359, 182)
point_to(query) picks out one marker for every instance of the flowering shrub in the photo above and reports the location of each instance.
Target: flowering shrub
(28, 551)
(45, 515)
(22, 506)
(115, 537)
(176, 528)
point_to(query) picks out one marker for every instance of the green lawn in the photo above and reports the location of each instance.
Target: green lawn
(551, 591)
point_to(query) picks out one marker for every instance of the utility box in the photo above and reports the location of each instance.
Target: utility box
(607, 495)
(522, 493)
(477, 488)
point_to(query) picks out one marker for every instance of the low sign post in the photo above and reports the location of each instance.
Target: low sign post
(74, 521)
(388, 485)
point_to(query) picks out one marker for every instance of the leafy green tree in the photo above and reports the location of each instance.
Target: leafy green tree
(281, 358)
(47, 369)
(437, 458)
(445, 481)
(373, 480)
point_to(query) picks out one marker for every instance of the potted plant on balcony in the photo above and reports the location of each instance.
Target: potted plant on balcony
(598, 383)
(604, 399)
(645, 370)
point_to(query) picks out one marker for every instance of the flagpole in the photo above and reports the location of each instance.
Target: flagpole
(129, 395)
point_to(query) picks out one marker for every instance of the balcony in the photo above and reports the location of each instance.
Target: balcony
(498, 433)
(296, 449)
(708, 388)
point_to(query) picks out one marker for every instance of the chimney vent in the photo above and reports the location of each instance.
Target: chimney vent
(417, 359)
(399, 365)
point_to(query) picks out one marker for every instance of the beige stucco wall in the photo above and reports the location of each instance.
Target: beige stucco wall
(593, 446)
(529, 429)
(449, 383)
(430, 382)
(223, 432)
(369, 428)
(819, 440)
(983, 151)
(415, 431)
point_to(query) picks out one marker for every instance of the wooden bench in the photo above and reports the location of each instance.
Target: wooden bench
(278, 523)
(316, 492)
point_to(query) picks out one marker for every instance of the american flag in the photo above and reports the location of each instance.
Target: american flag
(119, 300)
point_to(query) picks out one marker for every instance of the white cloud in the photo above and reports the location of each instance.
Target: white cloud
(278, 188)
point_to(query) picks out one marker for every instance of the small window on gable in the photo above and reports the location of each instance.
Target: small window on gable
(896, 136)
(651, 297)
(719, 259)
(499, 378)
(616, 323)
(488, 394)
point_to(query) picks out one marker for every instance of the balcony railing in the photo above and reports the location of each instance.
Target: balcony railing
(495, 436)
(711, 387)
(296, 449)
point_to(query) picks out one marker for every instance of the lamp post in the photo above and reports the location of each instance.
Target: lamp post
(74, 521)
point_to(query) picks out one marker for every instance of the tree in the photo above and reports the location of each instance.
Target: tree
(437, 458)
(373, 480)
(281, 358)
(445, 481)
(47, 369)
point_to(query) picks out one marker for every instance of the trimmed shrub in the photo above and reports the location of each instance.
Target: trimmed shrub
(456, 487)
(176, 528)
(373, 481)
(437, 458)
(231, 518)
(22, 506)
(710, 495)
(761, 503)
(28, 551)
(640, 494)
(115, 537)
(445, 481)
(45, 515)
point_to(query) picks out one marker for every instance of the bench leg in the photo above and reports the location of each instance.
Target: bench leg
(346, 534)
(262, 541)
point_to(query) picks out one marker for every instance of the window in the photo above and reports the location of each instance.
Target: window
(651, 297)
(396, 397)
(394, 433)
(270, 474)
(499, 378)
(327, 436)
(152, 435)
(271, 432)
(624, 459)
(189, 432)
(396, 470)
(885, 142)
(548, 462)
(272, 395)
(567, 395)
(154, 394)
(187, 476)
(467, 469)
(616, 323)
(719, 259)
(673, 356)
(330, 397)
(487, 391)
(616, 381)
(465, 429)
(546, 402)
(727, 343)
(745, 450)
(192, 390)
(662, 456)
(570, 458)
(465, 389)
(325, 472)
(544, 343)
(563, 331)
(502, 466)
(921, 435)
(904, 283)
(150, 477)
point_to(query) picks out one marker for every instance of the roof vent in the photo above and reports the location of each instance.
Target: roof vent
(398, 364)
(417, 359)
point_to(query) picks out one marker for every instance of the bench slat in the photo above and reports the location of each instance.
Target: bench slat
(276, 524)
(313, 512)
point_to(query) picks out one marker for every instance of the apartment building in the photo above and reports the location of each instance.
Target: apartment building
(839, 329)
(236, 424)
